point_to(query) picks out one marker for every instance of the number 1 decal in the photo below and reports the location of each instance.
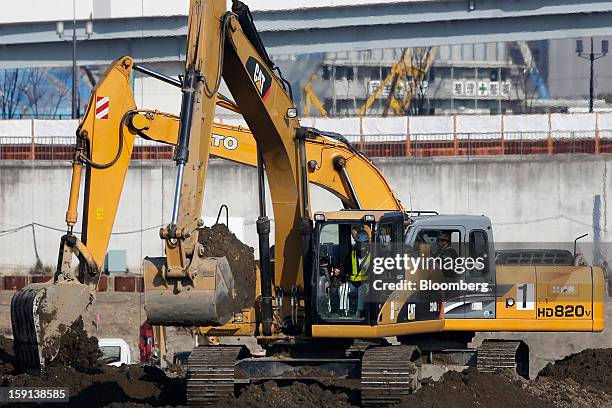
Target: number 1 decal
(525, 294)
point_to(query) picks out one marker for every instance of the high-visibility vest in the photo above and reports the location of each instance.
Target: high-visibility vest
(359, 274)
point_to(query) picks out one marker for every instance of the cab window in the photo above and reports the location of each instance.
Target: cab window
(342, 271)
(434, 237)
(479, 248)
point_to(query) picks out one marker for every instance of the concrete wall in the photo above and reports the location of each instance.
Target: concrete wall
(535, 198)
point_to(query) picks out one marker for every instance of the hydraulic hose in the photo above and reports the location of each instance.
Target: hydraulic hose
(119, 149)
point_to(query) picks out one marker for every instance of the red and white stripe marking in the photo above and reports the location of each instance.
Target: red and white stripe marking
(102, 107)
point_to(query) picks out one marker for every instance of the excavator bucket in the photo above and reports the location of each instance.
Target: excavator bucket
(41, 313)
(204, 299)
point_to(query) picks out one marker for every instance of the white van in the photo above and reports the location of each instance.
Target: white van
(115, 352)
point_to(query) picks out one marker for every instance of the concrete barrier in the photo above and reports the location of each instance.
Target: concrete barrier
(551, 198)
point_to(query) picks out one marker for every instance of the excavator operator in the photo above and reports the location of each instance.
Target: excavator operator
(361, 258)
(445, 251)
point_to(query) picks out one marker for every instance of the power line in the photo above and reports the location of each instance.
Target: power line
(35, 224)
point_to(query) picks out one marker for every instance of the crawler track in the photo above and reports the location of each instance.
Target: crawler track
(210, 374)
(387, 375)
(496, 355)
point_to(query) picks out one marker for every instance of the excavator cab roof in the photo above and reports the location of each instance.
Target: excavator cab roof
(352, 215)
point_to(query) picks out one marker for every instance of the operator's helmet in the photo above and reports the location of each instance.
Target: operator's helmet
(444, 236)
(361, 227)
(362, 236)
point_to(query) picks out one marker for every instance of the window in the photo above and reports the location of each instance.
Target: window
(340, 73)
(350, 73)
(432, 237)
(110, 354)
(386, 238)
(329, 234)
(326, 73)
(479, 248)
(340, 296)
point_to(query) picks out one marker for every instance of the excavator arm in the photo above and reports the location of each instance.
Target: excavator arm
(333, 165)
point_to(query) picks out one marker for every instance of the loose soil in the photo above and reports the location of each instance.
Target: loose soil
(581, 380)
(219, 241)
(589, 368)
(472, 388)
(298, 394)
(93, 385)
(77, 349)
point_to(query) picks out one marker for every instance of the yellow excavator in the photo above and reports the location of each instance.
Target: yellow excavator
(321, 302)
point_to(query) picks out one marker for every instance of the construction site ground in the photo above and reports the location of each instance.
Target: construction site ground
(582, 380)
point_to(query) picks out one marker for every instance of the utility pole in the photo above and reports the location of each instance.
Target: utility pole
(592, 56)
(75, 39)
(75, 107)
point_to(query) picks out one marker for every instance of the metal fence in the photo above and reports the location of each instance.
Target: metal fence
(388, 145)
(485, 144)
(62, 148)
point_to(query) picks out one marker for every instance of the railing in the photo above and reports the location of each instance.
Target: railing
(484, 144)
(44, 116)
(62, 148)
(417, 145)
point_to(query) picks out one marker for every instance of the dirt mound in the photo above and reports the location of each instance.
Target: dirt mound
(77, 349)
(589, 368)
(127, 385)
(90, 383)
(271, 394)
(568, 393)
(472, 388)
(218, 240)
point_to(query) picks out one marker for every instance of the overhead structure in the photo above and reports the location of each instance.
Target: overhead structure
(323, 29)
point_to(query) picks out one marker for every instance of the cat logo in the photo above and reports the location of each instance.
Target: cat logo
(261, 77)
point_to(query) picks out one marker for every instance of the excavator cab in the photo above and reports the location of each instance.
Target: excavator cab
(355, 274)
(341, 268)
